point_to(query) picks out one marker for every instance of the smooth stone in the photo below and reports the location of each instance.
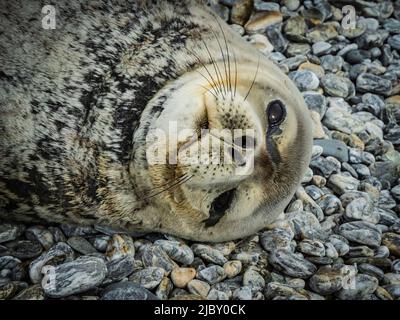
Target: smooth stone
(341, 120)
(148, 278)
(326, 280)
(334, 148)
(291, 264)
(232, 268)
(330, 204)
(293, 62)
(383, 294)
(127, 291)
(118, 269)
(81, 245)
(61, 252)
(212, 274)
(325, 166)
(41, 235)
(243, 293)
(9, 290)
(154, 256)
(367, 82)
(323, 32)
(253, 279)
(321, 47)
(209, 254)
(260, 21)
(198, 287)
(277, 289)
(275, 239)
(295, 28)
(341, 183)
(393, 289)
(182, 276)
(394, 42)
(164, 289)
(76, 231)
(357, 56)
(24, 249)
(305, 80)
(392, 25)
(332, 63)
(371, 270)
(392, 241)
(241, 11)
(364, 285)
(362, 209)
(100, 243)
(34, 292)
(120, 245)
(73, 277)
(217, 295)
(295, 49)
(9, 232)
(177, 251)
(361, 232)
(315, 68)
(312, 247)
(276, 38)
(337, 86)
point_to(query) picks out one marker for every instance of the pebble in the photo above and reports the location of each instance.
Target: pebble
(362, 209)
(393, 289)
(198, 287)
(60, 252)
(327, 280)
(392, 241)
(362, 286)
(253, 279)
(341, 183)
(305, 80)
(312, 247)
(73, 277)
(118, 269)
(367, 82)
(120, 245)
(341, 120)
(127, 291)
(24, 249)
(34, 292)
(394, 42)
(148, 278)
(81, 245)
(291, 264)
(361, 232)
(321, 47)
(371, 270)
(275, 239)
(337, 86)
(9, 232)
(232, 268)
(334, 148)
(212, 274)
(154, 256)
(41, 235)
(209, 254)
(182, 276)
(177, 251)
(243, 293)
(325, 166)
(164, 289)
(260, 21)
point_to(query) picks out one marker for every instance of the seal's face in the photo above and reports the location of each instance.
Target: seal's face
(225, 151)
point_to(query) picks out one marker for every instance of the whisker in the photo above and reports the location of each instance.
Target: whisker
(236, 73)
(223, 59)
(254, 80)
(176, 184)
(166, 183)
(212, 83)
(227, 53)
(216, 68)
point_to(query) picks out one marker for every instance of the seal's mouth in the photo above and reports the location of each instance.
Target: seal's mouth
(219, 207)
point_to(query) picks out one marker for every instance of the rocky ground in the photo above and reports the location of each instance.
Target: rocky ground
(340, 236)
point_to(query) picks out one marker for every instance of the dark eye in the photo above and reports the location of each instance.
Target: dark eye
(219, 206)
(276, 113)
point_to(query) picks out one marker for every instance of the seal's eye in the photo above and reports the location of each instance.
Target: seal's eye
(276, 112)
(219, 206)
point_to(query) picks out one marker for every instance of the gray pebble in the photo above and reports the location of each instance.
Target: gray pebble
(148, 278)
(73, 277)
(127, 291)
(364, 285)
(81, 245)
(362, 209)
(291, 264)
(154, 256)
(9, 232)
(209, 254)
(177, 251)
(212, 274)
(305, 80)
(361, 232)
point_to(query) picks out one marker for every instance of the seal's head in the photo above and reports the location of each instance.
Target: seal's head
(226, 146)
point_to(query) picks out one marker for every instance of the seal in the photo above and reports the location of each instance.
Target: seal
(81, 107)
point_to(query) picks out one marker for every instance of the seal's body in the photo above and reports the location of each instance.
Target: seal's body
(78, 103)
